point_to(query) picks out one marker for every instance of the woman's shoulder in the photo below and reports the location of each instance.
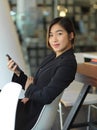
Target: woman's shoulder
(68, 60)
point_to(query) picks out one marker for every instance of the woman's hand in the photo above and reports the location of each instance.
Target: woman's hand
(13, 67)
(29, 81)
(25, 100)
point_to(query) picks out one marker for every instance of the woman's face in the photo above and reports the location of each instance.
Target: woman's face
(59, 39)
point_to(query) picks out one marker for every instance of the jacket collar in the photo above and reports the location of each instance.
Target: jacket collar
(68, 52)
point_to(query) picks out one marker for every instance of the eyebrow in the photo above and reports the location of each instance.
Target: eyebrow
(58, 31)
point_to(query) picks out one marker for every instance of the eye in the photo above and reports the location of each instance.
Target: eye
(50, 35)
(59, 33)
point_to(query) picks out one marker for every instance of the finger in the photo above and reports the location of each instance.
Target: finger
(11, 65)
(9, 62)
(14, 67)
(30, 78)
(23, 100)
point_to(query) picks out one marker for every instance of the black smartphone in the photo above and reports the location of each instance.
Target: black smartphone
(9, 58)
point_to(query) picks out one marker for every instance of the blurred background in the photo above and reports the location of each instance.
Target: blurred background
(32, 17)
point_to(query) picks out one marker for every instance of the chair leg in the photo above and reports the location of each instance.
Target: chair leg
(60, 116)
(88, 118)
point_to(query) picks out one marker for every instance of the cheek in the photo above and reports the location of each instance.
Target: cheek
(64, 42)
(65, 39)
(50, 42)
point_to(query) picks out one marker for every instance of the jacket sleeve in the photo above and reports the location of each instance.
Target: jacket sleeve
(20, 79)
(62, 78)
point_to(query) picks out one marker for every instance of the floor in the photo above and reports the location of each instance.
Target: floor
(81, 117)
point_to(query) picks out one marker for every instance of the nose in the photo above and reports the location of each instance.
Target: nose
(55, 38)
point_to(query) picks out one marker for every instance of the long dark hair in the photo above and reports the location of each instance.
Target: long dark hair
(64, 22)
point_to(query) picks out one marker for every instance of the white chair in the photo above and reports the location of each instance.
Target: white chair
(8, 103)
(47, 115)
(79, 57)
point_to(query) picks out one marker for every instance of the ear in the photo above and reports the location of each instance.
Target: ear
(71, 35)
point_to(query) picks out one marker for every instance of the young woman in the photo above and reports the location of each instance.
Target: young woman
(55, 74)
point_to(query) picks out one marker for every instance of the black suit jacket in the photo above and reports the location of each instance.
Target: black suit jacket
(53, 76)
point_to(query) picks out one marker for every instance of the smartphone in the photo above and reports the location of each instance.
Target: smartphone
(9, 58)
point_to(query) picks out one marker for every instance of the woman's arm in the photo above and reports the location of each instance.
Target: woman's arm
(18, 76)
(29, 81)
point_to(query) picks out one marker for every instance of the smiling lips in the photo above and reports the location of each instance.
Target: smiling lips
(56, 45)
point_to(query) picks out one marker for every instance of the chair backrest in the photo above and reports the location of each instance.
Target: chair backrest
(79, 57)
(8, 104)
(47, 115)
